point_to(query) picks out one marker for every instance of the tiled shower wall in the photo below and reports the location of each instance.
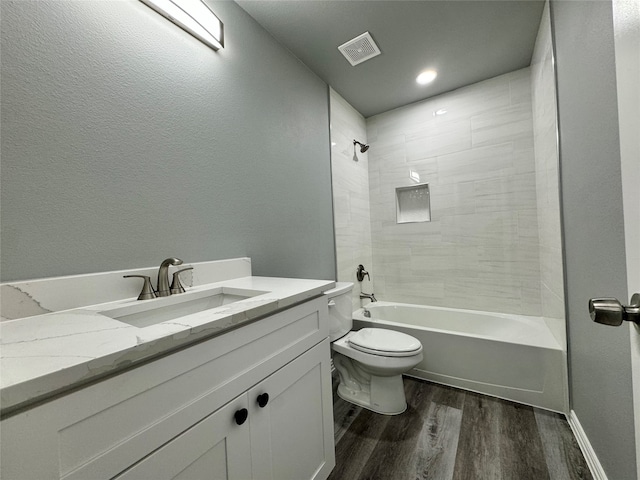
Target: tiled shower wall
(547, 189)
(350, 180)
(481, 248)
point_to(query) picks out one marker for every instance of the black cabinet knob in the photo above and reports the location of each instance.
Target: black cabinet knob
(241, 416)
(263, 399)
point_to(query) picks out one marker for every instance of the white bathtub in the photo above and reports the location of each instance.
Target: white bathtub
(507, 356)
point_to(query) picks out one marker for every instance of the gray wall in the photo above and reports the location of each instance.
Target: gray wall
(599, 356)
(125, 141)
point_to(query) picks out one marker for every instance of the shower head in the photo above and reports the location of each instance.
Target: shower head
(363, 147)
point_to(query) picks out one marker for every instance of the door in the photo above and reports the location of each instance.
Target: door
(217, 447)
(291, 414)
(626, 20)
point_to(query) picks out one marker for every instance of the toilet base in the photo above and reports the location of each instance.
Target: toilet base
(395, 406)
(383, 395)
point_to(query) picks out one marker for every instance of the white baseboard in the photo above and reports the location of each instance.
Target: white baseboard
(587, 450)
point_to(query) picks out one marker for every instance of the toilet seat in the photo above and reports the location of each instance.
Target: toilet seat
(387, 343)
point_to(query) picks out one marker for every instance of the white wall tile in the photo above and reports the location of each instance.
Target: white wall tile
(501, 125)
(350, 181)
(547, 188)
(481, 248)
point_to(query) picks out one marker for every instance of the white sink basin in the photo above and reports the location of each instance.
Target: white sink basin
(152, 312)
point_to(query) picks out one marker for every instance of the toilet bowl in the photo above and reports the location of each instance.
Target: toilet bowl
(370, 362)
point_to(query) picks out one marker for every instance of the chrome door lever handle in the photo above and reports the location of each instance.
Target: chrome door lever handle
(609, 311)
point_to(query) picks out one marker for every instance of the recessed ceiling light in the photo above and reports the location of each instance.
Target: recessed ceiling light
(427, 76)
(439, 112)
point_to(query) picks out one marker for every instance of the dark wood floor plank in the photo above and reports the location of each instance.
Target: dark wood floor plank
(344, 413)
(478, 455)
(447, 396)
(391, 458)
(562, 453)
(357, 444)
(435, 454)
(521, 453)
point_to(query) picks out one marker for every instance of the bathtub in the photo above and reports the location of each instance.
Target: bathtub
(508, 356)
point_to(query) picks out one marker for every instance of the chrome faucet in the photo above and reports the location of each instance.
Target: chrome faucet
(163, 276)
(370, 296)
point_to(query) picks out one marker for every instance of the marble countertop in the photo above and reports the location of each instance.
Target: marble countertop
(47, 354)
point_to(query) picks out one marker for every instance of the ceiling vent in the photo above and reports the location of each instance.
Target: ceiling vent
(359, 49)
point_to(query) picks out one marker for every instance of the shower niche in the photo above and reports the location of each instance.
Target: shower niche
(413, 204)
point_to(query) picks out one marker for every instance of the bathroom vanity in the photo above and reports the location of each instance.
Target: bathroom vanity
(250, 399)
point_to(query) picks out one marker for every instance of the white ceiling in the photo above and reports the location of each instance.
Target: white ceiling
(465, 41)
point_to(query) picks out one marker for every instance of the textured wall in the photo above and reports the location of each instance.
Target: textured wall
(350, 181)
(125, 141)
(480, 250)
(543, 94)
(593, 228)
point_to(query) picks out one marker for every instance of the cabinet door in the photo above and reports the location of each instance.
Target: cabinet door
(292, 432)
(215, 448)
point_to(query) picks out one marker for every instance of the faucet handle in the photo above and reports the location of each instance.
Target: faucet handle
(361, 273)
(147, 292)
(176, 286)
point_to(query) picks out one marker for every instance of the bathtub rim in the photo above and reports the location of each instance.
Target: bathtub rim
(537, 320)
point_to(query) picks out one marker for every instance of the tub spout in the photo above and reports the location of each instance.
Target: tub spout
(370, 296)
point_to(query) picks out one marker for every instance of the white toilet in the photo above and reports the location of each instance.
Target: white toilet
(371, 361)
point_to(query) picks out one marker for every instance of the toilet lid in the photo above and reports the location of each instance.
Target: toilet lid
(389, 343)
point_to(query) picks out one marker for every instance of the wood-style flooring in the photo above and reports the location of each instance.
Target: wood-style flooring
(451, 434)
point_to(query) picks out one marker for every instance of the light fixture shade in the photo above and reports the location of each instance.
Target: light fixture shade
(194, 17)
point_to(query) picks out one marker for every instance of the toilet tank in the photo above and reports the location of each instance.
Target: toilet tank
(340, 314)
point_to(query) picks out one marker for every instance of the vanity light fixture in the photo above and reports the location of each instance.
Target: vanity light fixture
(194, 17)
(426, 77)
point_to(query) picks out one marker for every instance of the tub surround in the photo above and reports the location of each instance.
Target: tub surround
(46, 354)
(478, 159)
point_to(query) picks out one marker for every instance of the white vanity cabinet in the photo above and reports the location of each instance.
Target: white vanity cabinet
(213, 448)
(284, 439)
(180, 416)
